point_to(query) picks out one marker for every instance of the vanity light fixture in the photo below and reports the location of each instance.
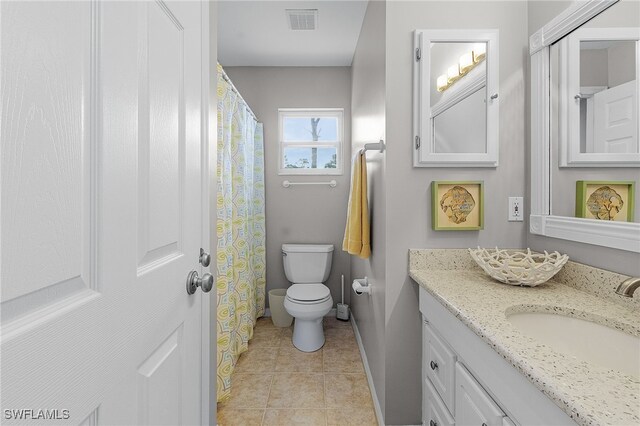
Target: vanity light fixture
(441, 83)
(466, 63)
(479, 52)
(453, 73)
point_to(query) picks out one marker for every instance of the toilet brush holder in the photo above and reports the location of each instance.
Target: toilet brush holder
(342, 310)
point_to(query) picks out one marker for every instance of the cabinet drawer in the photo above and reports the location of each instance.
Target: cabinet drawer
(473, 405)
(434, 412)
(439, 366)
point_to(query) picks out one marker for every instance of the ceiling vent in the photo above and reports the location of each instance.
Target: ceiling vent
(302, 19)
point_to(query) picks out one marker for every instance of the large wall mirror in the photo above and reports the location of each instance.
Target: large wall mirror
(456, 80)
(585, 68)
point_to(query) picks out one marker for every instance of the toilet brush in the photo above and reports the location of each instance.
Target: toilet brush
(342, 310)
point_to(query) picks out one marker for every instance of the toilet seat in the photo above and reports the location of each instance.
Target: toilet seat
(308, 293)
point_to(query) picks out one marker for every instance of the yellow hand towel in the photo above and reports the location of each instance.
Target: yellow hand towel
(356, 235)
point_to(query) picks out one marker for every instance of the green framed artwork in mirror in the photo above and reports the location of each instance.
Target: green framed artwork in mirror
(457, 205)
(605, 200)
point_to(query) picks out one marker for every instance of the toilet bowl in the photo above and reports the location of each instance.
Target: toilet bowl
(308, 334)
(308, 300)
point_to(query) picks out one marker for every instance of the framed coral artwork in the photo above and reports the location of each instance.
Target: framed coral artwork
(457, 206)
(605, 200)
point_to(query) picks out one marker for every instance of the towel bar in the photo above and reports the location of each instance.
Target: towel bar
(375, 146)
(331, 183)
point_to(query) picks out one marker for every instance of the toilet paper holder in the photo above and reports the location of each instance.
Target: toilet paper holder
(361, 286)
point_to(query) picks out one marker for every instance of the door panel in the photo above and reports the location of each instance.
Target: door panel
(616, 119)
(46, 155)
(160, 383)
(161, 137)
(100, 156)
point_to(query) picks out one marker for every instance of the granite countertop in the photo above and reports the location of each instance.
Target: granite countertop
(589, 394)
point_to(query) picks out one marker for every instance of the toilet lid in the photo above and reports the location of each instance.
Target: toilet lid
(308, 292)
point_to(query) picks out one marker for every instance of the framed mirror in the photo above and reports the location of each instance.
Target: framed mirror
(456, 80)
(597, 73)
(584, 172)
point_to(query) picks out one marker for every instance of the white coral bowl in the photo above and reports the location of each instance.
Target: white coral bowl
(518, 267)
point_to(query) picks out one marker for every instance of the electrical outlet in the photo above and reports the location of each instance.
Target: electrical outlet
(516, 212)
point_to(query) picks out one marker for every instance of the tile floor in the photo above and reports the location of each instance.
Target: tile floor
(276, 384)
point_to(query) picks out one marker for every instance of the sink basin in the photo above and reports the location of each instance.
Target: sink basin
(601, 345)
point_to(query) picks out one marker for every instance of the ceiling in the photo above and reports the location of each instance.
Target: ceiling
(256, 33)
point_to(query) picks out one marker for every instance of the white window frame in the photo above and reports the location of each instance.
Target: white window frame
(311, 112)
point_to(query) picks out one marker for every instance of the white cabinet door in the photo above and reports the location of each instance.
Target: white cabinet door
(474, 407)
(434, 411)
(439, 365)
(101, 212)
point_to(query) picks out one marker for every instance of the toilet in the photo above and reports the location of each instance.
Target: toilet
(308, 300)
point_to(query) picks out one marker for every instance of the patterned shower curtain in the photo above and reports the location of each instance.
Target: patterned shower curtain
(240, 228)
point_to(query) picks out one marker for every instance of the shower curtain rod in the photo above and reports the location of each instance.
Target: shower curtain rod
(233, 88)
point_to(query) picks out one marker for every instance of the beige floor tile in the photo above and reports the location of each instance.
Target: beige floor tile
(257, 360)
(286, 341)
(346, 391)
(248, 391)
(294, 360)
(333, 322)
(237, 417)
(287, 332)
(296, 390)
(265, 322)
(342, 337)
(351, 416)
(295, 417)
(266, 330)
(266, 337)
(342, 360)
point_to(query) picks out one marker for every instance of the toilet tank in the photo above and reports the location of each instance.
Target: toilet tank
(307, 263)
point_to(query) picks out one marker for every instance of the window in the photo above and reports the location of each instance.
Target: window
(310, 141)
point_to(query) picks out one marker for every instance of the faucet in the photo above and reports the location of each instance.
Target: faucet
(628, 286)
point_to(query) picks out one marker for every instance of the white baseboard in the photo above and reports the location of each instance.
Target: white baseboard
(332, 313)
(376, 401)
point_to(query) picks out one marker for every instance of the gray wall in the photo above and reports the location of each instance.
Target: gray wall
(368, 118)
(408, 203)
(624, 13)
(301, 214)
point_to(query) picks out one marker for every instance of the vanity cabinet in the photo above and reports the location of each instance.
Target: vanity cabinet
(450, 393)
(440, 362)
(474, 405)
(434, 412)
(466, 382)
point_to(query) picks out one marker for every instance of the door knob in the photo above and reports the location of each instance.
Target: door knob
(205, 258)
(193, 282)
(433, 365)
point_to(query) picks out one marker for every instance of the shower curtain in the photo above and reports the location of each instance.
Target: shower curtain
(240, 226)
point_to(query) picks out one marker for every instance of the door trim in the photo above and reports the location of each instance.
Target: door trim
(208, 391)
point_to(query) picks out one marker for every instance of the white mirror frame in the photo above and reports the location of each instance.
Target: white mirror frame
(424, 154)
(619, 235)
(569, 108)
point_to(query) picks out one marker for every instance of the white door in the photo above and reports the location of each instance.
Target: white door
(100, 212)
(616, 119)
